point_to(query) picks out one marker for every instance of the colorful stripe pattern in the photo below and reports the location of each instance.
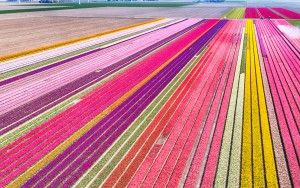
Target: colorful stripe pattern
(270, 13)
(155, 105)
(287, 13)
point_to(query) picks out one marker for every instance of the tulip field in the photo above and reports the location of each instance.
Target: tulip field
(261, 12)
(166, 102)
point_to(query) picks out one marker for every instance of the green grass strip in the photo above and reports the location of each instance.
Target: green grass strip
(28, 68)
(235, 13)
(228, 13)
(295, 22)
(243, 63)
(65, 6)
(119, 149)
